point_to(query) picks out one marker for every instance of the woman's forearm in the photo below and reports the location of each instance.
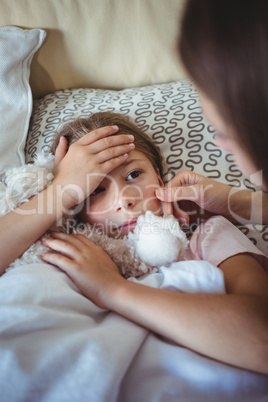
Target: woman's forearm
(259, 207)
(247, 206)
(229, 328)
(20, 228)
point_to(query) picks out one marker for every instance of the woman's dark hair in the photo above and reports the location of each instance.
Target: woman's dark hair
(224, 47)
(76, 129)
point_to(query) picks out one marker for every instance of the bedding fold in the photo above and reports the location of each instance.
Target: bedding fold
(56, 345)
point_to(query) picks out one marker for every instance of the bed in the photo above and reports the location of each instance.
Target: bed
(61, 59)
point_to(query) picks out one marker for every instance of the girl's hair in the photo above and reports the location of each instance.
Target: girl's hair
(76, 129)
(224, 46)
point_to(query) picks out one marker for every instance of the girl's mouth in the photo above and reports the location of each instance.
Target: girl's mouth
(128, 225)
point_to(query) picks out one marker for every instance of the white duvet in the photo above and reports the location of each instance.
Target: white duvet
(57, 346)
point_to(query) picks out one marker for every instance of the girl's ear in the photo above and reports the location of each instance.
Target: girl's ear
(161, 183)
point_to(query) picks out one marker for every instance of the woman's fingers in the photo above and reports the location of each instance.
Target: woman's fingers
(185, 178)
(170, 194)
(167, 208)
(186, 185)
(170, 208)
(177, 188)
(182, 216)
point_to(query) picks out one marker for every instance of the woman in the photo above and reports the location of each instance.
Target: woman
(223, 46)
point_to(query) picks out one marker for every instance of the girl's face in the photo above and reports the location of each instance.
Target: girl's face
(225, 138)
(123, 195)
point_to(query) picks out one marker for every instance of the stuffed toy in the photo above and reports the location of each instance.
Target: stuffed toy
(155, 241)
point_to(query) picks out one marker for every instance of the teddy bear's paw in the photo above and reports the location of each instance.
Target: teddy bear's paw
(21, 183)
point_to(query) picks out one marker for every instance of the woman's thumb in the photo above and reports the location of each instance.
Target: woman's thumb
(182, 216)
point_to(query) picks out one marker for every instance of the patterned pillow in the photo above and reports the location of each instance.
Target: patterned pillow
(170, 113)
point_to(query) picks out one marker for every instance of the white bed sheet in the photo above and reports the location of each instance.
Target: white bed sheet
(57, 346)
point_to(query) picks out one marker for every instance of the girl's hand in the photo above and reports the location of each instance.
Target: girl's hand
(87, 264)
(199, 191)
(60, 152)
(88, 161)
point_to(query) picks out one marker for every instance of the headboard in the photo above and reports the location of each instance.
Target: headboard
(111, 44)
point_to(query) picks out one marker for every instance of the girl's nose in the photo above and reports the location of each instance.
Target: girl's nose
(125, 202)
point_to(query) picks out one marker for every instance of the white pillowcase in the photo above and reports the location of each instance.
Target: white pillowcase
(17, 48)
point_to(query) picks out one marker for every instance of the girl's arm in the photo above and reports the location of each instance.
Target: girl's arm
(23, 226)
(232, 328)
(76, 176)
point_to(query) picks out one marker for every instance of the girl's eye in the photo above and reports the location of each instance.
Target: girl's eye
(98, 190)
(134, 174)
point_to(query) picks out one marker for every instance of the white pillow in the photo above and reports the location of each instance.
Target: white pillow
(17, 48)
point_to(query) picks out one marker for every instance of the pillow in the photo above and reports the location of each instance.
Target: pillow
(17, 48)
(169, 112)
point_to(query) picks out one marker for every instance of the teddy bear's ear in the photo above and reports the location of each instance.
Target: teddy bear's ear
(159, 241)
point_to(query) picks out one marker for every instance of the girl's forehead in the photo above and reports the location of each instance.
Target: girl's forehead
(135, 159)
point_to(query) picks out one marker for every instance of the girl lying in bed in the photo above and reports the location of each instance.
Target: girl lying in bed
(114, 181)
